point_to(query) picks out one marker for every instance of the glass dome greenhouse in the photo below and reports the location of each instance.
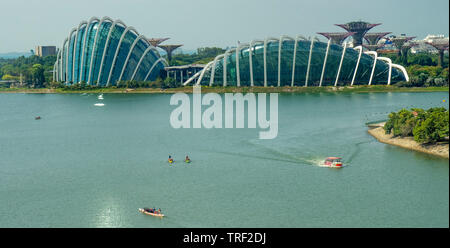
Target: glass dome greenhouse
(103, 52)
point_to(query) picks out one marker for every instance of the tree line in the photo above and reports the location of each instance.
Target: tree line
(203, 56)
(160, 83)
(33, 71)
(37, 71)
(423, 69)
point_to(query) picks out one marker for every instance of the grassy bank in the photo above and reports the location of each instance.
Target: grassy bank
(233, 89)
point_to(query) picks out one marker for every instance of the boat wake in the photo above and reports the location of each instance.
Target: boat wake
(309, 157)
(357, 150)
(236, 154)
(99, 104)
(297, 156)
(318, 162)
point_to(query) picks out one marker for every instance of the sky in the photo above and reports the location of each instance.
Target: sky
(221, 23)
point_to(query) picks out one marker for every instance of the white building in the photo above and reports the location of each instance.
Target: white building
(423, 47)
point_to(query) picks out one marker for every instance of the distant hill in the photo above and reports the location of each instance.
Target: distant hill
(13, 55)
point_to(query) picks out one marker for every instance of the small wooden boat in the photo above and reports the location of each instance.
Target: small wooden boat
(37, 118)
(147, 212)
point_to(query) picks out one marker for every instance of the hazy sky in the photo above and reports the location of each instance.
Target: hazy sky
(197, 23)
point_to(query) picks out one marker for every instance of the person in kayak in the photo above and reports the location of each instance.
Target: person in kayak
(170, 159)
(187, 159)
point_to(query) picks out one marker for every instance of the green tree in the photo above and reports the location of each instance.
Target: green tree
(24, 66)
(9, 77)
(401, 123)
(434, 127)
(202, 56)
(37, 73)
(421, 59)
(426, 126)
(169, 83)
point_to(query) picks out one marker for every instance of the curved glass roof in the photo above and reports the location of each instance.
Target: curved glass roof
(104, 52)
(286, 61)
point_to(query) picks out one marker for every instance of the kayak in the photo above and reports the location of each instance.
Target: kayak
(187, 161)
(149, 213)
(170, 160)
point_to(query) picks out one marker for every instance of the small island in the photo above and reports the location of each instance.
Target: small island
(416, 129)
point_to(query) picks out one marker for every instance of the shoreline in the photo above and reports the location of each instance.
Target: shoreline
(232, 89)
(377, 131)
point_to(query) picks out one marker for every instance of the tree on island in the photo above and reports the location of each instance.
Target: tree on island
(433, 127)
(428, 126)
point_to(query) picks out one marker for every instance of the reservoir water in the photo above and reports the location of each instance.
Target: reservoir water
(84, 165)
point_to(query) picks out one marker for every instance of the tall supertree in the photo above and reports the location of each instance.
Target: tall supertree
(169, 49)
(403, 44)
(373, 47)
(399, 41)
(405, 48)
(441, 45)
(156, 41)
(337, 38)
(359, 29)
(374, 38)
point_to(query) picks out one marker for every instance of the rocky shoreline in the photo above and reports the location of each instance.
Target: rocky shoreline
(377, 131)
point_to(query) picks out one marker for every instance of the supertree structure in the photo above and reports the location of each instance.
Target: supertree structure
(373, 39)
(405, 48)
(400, 41)
(373, 47)
(441, 45)
(359, 28)
(337, 37)
(169, 49)
(403, 44)
(156, 41)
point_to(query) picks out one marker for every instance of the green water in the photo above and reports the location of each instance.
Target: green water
(88, 166)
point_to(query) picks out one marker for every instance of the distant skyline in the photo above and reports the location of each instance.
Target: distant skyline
(200, 23)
